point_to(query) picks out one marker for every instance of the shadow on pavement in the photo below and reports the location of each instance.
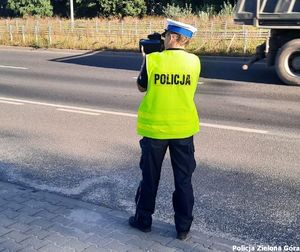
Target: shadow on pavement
(116, 60)
(220, 68)
(231, 69)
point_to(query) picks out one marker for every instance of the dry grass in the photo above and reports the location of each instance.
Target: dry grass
(219, 35)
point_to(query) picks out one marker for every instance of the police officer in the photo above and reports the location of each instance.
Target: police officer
(167, 118)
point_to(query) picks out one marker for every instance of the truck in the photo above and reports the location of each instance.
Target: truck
(282, 48)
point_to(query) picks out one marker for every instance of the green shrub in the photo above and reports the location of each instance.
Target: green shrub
(175, 11)
(227, 9)
(208, 9)
(122, 8)
(30, 7)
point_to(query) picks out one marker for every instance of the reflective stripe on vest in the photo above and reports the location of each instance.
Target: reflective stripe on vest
(168, 110)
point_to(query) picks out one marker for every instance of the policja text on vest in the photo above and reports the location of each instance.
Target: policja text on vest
(172, 79)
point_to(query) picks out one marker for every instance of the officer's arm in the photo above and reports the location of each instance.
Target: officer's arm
(142, 80)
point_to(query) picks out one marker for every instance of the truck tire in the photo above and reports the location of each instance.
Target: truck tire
(288, 62)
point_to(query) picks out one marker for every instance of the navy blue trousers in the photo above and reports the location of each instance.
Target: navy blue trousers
(183, 164)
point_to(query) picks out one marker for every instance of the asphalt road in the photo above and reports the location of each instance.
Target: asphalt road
(68, 126)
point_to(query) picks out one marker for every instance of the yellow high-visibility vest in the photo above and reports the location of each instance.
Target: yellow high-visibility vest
(168, 110)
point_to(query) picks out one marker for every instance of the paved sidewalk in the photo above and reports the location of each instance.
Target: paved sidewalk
(33, 220)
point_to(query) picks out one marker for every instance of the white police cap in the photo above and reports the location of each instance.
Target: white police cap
(181, 28)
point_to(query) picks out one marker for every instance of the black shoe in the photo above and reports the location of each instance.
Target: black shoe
(135, 224)
(182, 235)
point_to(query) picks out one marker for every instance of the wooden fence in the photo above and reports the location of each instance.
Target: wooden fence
(215, 36)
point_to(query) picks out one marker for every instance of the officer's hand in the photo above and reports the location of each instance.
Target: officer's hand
(143, 52)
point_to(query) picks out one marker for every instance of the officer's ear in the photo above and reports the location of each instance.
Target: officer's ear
(173, 37)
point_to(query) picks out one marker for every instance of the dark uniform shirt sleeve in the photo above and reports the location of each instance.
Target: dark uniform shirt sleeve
(143, 77)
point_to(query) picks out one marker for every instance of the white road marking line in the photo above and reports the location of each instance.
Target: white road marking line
(78, 112)
(219, 126)
(13, 103)
(70, 107)
(95, 111)
(13, 67)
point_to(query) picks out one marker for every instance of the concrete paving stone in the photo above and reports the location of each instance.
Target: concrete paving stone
(57, 239)
(36, 195)
(52, 198)
(222, 247)
(9, 194)
(164, 232)
(103, 210)
(41, 205)
(156, 247)
(61, 220)
(45, 214)
(4, 231)
(54, 248)
(157, 225)
(85, 205)
(41, 222)
(119, 214)
(95, 249)
(200, 235)
(201, 240)
(86, 228)
(3, 202)
(24, 219)
(200, 248)
(76, 244)
(111, 224)
(11, 213)
(62, 211)
(37, 232)
(97, 240)
(28, 250)
(67, 203)
(104, 232)
(226, 242)
(141, 243)
(117, 224)
(115, 220)
(45, 223)
(17, 236)
(163, 240)
(14, 205)
(67, 231)
(5, 221)
(120, 247)
(2, 208)
(11, 245)
(29, 211)
(183, 245)
(19, 227)
(34, 242)
(122, 237)
(104, 224)
(2, 239)
(133, 231)
(130, 231)
(19, 199)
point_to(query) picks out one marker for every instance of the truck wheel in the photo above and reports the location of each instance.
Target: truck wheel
(288, 62)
